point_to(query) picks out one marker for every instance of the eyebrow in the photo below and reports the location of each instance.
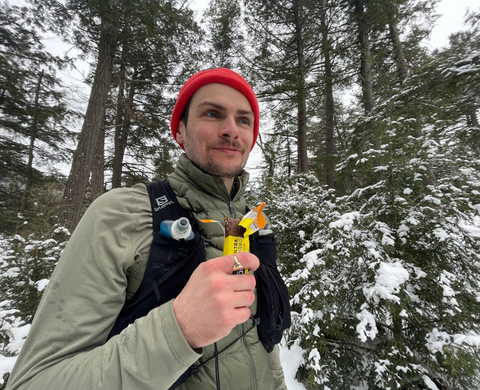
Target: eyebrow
(223, 108)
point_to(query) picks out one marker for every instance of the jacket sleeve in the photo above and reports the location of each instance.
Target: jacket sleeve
(66, 347)
(277, 370)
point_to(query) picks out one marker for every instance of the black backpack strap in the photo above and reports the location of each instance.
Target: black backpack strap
(164, 203)
(273, 310)
(170, 264)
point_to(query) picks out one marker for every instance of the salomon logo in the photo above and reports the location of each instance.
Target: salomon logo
(162, 202)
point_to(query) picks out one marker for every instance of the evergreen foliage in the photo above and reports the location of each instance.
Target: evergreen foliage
(225, 38)
(383, 273)
(284, 60)
(141, 50)
(34, 115)
(157, 44)
(384, 282)
(27, 260)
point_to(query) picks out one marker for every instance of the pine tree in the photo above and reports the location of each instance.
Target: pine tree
(154, 51)
(284, 56)
(384, 279)
(32, 253)
(151, 36)
(34, 116)
(459, 69)
(225, 37)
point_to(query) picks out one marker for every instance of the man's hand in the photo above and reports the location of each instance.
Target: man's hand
(214, 301)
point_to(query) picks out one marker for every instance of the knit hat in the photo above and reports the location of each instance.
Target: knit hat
(218, 75)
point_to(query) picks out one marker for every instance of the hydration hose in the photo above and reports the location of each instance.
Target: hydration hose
(256, 321)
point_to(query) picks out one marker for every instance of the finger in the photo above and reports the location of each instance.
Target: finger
(243, 282)
(248, 260)
(226, 263)
(243, 299)
(241, 315)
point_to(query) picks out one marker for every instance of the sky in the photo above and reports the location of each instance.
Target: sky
(451, 20)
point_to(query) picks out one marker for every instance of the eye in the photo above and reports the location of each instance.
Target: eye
(245, 121)
(212, 114)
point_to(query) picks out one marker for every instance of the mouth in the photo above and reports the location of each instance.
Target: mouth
(228, 148)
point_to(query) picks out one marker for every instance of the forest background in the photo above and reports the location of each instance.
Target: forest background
(368, 160)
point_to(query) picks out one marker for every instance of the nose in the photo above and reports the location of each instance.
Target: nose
(229, 127)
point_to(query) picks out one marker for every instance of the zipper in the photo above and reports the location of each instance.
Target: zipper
(250, 362)
(232, 210)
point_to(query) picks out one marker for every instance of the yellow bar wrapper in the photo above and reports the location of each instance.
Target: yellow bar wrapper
(252, 222)
(232, 245)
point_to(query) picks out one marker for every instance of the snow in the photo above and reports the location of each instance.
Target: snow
(472, 229)
(311, 259)
(390, 276)
(367, 327)
(6, 365)
(436, 340)
(432, 199)
(12, 272)
(441, 234)
(291, 358)
(345, 222)
(19, 335)
(429, 383)
(18, 331)
(42, 284)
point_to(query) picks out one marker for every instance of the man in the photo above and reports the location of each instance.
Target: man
(216, 121)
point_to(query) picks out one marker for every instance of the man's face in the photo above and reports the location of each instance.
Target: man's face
(219, 132)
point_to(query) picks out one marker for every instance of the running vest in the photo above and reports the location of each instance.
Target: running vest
(171, 263)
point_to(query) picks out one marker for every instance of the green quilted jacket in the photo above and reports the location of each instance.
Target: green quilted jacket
(102, 266)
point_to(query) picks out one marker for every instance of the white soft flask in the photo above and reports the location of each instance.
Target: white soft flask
(178, 230)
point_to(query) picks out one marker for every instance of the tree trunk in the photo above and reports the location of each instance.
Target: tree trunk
(398, 55)
(33, 137)
(472, 121)
(122, 131)
(92, 126)
(98, 168)
(365, 57)
(329, 103)
(302, 110)
(289, 156)
(117, 162)
(267, 156)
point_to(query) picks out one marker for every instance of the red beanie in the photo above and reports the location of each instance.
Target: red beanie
(218, 75)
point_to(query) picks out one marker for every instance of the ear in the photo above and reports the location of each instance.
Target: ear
(180, 135)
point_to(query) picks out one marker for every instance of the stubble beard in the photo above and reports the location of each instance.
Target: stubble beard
(214, 167)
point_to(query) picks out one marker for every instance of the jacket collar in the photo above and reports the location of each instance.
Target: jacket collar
(210, 184)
